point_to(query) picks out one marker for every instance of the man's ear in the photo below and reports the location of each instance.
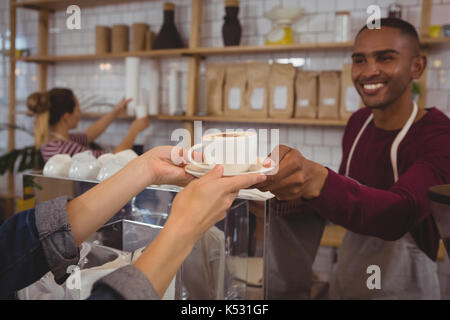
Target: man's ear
(418, 66)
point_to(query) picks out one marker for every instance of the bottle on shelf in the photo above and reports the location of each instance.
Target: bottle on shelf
(395, 10)
(168, 37)
(231, 29)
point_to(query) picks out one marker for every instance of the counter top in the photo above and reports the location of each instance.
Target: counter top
(440, 194)
(334, 235)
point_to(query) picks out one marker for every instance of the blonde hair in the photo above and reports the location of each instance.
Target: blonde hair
(39, 104)
(49, 107)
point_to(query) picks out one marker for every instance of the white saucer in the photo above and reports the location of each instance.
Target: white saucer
(199, 171)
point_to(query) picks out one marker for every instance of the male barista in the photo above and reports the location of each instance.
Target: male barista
(393, 152)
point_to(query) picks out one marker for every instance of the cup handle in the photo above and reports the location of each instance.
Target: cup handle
(191, 160)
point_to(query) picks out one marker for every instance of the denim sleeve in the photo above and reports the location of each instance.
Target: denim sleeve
(127, 283)
(34, 242)
(22, 259)
(57, 241)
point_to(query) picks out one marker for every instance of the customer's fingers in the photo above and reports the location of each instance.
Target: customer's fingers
(236, 183)
(213, 174)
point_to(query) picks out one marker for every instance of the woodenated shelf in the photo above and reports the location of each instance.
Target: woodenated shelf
(92, 57)
(292, 121)
(272, 48)
(435, 41)
(233, 50)
(54, 5)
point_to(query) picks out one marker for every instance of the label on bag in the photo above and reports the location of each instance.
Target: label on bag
(352, 99)
(234, 98)
(280, 98)
(257, 99)
(328, 102)
(303, 103)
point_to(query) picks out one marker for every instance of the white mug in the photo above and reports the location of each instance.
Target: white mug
(110, 168)
(84, 167)
(58, 166)
(236, 151)
(126, 155)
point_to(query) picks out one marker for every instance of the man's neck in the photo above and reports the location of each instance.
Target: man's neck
(395, 115)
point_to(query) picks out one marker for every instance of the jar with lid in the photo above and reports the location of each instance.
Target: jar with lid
(395, 10)
(342, 30)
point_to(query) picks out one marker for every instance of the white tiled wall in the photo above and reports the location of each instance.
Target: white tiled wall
(321, 144)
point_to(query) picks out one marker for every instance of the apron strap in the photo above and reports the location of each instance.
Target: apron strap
(350, 155)
(401, 135)
(394, 148)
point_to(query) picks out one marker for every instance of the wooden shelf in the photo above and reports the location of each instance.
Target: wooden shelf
(233, 50)
(435, 41)
(54, 5)
(311, 122)
(272, 48)
(92, 57)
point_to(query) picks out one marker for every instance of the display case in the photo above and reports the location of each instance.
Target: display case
(226, 263)
(263, 249)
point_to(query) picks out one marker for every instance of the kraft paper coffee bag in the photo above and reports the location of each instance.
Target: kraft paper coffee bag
(306, 91)
(281, 91)
(215, 77)
(235, 90)
(329, 95)
(257, 97)
(350, 99)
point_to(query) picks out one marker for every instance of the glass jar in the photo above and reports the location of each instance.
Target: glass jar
(395, 11)
(342, 30)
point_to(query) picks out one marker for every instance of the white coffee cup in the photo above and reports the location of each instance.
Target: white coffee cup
(110, 168)
(105, 158)
(58, 166)
(84, 166)
(236, 151)
(126, 155)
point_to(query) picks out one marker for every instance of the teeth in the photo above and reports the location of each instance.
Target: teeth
(373, 86)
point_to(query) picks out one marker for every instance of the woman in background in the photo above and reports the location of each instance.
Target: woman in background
(58, 111)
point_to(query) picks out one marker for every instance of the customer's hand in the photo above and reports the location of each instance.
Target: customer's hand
(297, 177)
(140, 124)
(121, 106)
(165, 165)
(205, 201)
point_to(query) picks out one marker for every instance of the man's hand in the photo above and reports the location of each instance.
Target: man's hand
(297, 177)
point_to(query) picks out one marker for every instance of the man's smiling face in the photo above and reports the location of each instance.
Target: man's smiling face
(383, 65)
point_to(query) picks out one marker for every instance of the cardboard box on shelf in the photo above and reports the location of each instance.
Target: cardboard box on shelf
(329, 94)
(306, 90)
(350, 99)
(235, 90)
(257, 95)
(281, 91)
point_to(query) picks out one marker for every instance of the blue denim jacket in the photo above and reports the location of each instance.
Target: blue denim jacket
(39, 240)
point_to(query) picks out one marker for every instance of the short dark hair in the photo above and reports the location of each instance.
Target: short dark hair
(402, 25)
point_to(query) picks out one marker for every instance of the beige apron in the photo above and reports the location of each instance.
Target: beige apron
(406, 271)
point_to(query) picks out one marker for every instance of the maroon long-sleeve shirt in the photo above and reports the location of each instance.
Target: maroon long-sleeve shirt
(376, 206)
